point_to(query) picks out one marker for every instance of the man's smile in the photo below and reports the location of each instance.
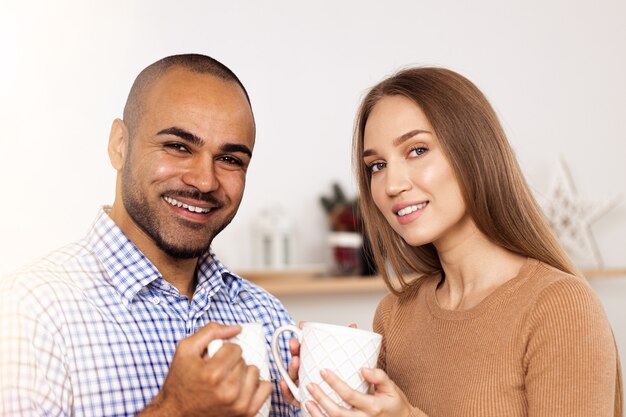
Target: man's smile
(189, 207)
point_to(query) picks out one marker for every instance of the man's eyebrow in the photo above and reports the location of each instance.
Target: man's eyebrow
(236, 147)
(397, 141)
(183, 134)
(198, 141)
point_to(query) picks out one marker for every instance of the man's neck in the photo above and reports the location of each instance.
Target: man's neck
(181, 273)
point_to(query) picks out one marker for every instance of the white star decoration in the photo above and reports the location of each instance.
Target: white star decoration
(571, 216)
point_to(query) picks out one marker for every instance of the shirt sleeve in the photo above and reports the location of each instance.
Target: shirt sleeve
(33, 376)
(571, 359)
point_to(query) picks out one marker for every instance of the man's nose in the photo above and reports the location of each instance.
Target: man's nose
(201, 175)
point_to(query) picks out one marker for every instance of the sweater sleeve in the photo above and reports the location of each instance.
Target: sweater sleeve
(571, 357)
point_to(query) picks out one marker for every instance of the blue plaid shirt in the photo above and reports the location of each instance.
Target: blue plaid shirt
(91, 329)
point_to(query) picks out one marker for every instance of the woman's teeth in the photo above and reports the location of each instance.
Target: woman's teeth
(192, 209)
(411, 209)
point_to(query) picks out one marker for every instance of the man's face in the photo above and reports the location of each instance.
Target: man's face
(185, 169)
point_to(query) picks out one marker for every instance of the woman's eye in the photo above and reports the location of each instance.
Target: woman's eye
(376, 167)
(419, 151)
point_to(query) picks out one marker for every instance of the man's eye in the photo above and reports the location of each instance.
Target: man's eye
(179, 147)
(231, 160)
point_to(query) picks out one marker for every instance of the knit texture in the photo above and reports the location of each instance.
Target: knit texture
(539, 345)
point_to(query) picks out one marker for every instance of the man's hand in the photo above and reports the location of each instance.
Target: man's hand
(222, 385)
(294, 367)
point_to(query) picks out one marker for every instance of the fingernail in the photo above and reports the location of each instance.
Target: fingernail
(324, 372)
(311, 387)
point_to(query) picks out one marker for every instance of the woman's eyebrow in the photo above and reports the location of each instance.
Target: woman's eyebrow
(408, 135)
(398, 141)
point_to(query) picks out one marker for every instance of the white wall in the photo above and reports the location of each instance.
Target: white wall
(553, 70)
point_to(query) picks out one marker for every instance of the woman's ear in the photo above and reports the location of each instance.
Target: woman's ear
(118, 144)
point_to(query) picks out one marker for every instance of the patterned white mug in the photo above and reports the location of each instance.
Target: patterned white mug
(254, 352)
(343, 350)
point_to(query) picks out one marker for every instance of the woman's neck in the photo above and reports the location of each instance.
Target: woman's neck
(473, 269)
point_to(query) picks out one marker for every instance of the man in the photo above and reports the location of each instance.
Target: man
(119, 323)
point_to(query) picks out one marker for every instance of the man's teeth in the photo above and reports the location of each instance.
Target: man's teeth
(411, 209)
(192, 209)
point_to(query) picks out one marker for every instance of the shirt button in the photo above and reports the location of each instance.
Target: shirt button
(156, 300)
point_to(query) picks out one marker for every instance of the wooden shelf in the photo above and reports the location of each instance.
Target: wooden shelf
(300, 283)
(285, 283)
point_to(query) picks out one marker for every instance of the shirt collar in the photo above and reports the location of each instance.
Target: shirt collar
(130, 271)
(214, 276)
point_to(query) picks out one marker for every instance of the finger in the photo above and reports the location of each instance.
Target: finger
(294, 366)
(353, 325)
(225, 383)
(380, 380)
(345, 392)
(294, 347)
(301, 323)
(287, 395)
(249, 383)
(199, 341)
(313, 409)
(235, 381)
(324, 402)
(226, 361)
(262, 392)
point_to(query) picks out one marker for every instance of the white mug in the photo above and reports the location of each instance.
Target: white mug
(343, 350)
(254, 352)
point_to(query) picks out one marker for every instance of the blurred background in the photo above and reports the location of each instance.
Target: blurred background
(554, 71)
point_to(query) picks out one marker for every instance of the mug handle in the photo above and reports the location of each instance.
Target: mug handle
(214, 346)
(278, 360)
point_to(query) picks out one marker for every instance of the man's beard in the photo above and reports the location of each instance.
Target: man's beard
(147, 218)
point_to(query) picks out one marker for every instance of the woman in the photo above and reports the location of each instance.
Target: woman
(495, 320)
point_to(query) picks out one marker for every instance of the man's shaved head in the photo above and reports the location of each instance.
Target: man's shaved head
(201, 64)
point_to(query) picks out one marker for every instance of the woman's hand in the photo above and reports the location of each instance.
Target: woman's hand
(294, 367)
(386, 401)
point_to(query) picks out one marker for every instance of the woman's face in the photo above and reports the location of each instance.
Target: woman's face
(412, 182)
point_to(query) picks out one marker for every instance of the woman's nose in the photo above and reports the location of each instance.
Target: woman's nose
(397, 180)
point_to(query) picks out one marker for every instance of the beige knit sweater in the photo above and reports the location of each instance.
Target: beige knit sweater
(540, 345)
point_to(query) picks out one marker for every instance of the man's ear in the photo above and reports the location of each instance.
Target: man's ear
(118, 144)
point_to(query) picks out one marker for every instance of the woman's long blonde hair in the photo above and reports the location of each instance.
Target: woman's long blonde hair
(493, 187)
